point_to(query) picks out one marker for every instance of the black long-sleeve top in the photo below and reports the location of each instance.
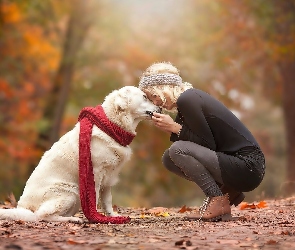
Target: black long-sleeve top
(207, 122)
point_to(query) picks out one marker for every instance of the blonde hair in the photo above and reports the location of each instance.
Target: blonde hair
(171, 89)
(168, 90)
(160, 68)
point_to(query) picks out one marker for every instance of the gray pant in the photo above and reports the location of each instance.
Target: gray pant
(195, 163)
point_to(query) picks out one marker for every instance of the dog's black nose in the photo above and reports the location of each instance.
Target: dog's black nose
(150, 113)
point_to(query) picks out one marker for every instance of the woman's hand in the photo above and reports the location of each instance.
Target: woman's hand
(165, 123)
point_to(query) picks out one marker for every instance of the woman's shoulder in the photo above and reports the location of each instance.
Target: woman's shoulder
(192, 94)
(194, 91)
(190, 97)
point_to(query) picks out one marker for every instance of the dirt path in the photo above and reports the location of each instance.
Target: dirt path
(271, 227)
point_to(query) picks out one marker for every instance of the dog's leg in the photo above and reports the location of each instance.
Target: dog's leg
(105, 195)
(59, 209)
(62, 219)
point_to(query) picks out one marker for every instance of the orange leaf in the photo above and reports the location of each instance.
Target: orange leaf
(252, 206)
(74, 242)
(245, 205)
(271, 242)
(261, 204)
(184, 208)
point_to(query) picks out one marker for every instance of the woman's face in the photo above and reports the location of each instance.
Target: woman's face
(167, 103)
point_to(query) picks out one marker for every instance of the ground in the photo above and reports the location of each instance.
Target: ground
(259, 225)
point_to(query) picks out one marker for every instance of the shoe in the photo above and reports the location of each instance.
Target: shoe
(235, 197)
(213, 209)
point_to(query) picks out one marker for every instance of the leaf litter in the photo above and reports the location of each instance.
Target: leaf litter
(257, 225)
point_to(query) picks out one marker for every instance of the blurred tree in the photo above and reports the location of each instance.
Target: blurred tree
(250, 50)
(258, 42)
(282, 43)
(23, 83)
(78, 23)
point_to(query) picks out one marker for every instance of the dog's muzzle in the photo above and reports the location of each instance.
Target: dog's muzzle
(150, 113)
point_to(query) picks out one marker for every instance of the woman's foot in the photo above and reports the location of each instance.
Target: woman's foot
(235, 197)
(213, 209)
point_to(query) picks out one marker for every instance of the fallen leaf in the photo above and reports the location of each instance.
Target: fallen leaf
(156, 210)
(184, 209)
(245, 244)
(20, 222)
(143, 216)
(182, 242)
(271, 242)
(162, 214)
(188, 243)
(261, 204)
(179, 242)
(245, 205)
(285, 233)
(74, 242)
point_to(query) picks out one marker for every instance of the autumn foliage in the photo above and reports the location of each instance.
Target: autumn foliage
(239, 51)
(28, 59)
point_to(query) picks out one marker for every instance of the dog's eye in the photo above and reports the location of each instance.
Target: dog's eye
(145, 97)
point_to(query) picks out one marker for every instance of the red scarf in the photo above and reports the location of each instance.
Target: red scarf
(87, 118)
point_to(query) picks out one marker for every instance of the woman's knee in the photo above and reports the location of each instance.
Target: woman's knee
(176, 149)
(167, 162)
(171, 166)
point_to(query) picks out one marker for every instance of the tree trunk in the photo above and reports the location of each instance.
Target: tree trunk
(285, 16)
(78, 24)
(288, 74)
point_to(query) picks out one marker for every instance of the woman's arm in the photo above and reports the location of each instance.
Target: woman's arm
(195, 127)
(166, 123)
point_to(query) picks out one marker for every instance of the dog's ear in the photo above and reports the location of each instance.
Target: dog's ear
(121, 103)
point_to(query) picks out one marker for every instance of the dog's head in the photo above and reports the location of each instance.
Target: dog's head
(130, 101)
(135, 101)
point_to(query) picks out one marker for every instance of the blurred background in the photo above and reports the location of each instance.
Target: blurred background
(57, 57)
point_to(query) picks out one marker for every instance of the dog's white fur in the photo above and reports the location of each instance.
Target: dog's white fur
(52, 191)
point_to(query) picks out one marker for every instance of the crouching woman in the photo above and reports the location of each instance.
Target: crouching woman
(211, 146)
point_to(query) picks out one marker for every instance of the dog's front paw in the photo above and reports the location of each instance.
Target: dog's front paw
(112, 214)
(76, 220)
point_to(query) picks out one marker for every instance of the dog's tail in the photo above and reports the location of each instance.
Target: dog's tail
(17, 214)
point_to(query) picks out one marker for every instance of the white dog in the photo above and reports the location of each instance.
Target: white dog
(52, 191)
